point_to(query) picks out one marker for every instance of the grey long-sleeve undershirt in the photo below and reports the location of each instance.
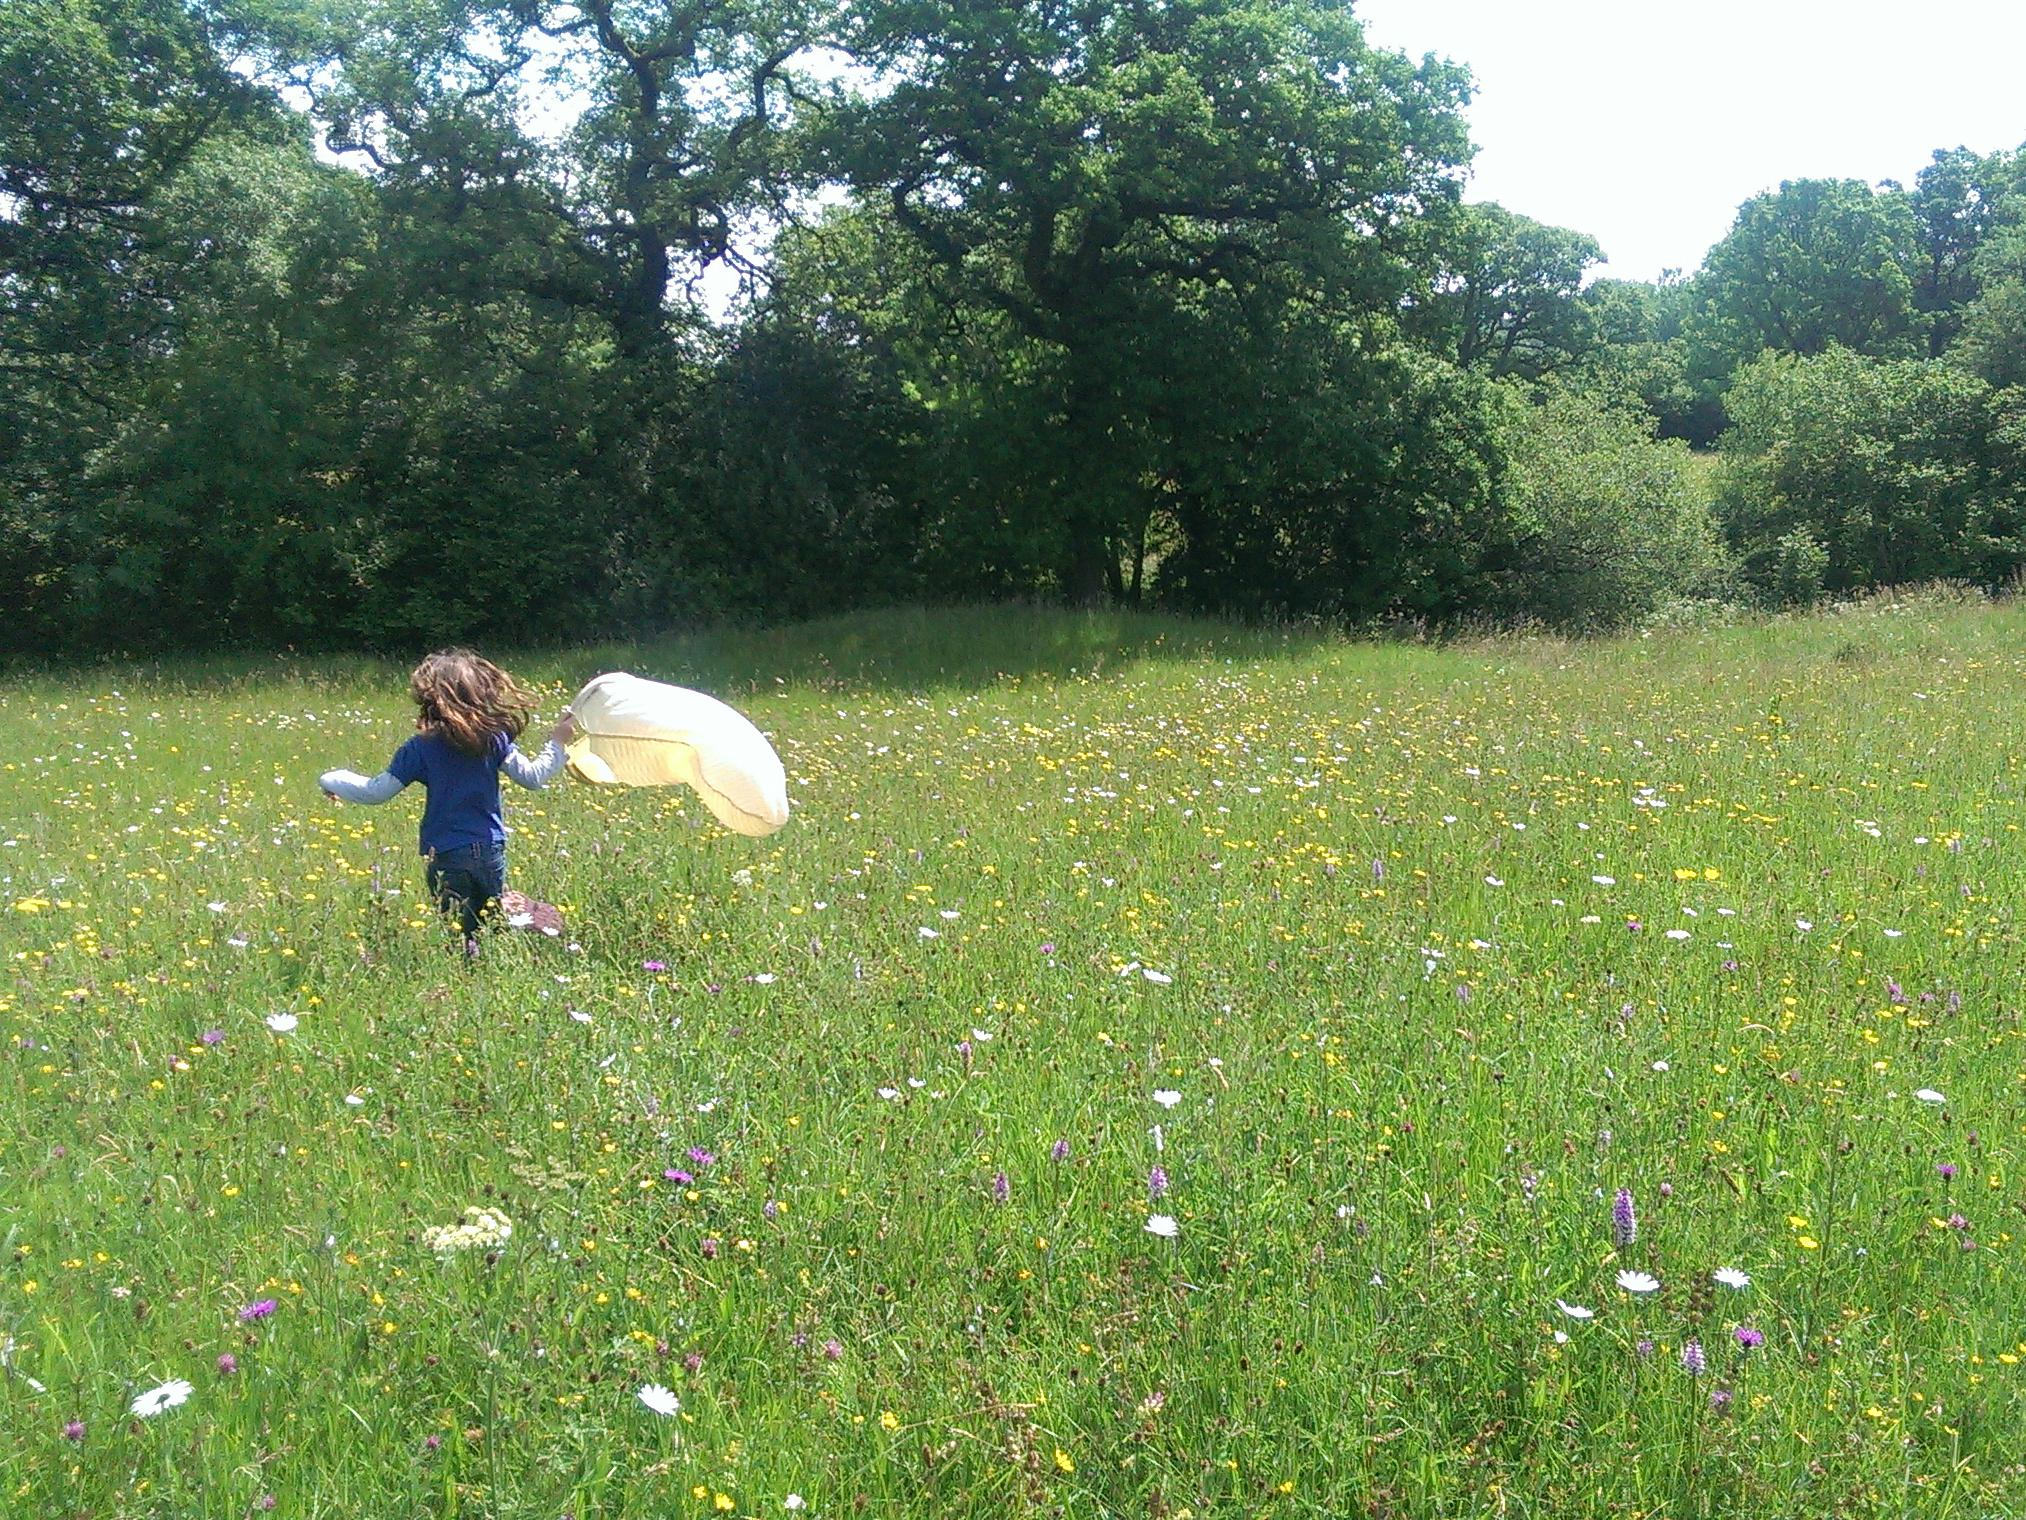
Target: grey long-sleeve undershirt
(533, 774)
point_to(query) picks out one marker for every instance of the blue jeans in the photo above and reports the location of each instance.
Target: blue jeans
(467, 881)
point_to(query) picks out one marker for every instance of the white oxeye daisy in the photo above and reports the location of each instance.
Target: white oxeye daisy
(659, 1399)
(1575, 1311)
(155, 1400)
(1731, 1277)
(282, 1023)
(1638, 1282)
(1162, 1225)
(1167, 1097)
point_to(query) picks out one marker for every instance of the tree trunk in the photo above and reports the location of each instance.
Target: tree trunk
(1084, 579)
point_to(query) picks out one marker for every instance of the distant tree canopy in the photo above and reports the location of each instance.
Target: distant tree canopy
(399, 322)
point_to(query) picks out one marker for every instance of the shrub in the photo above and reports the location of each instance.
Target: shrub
(1606, 523)
(1845, 473)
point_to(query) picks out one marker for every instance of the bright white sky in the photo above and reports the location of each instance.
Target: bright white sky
(1645, 124)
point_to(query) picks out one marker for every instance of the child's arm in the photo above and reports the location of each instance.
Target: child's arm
(534, 774)
(350, 786)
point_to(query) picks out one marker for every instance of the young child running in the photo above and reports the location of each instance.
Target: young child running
(471, 712)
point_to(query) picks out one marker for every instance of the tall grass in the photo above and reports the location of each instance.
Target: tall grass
(1397, 962)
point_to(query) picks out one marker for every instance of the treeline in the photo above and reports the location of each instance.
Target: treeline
(592, 315)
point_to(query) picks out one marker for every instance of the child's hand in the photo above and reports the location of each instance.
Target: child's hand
(332, 795)
(566, 728)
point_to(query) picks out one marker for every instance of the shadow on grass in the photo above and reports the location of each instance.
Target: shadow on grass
(926, 649)
(907, 649)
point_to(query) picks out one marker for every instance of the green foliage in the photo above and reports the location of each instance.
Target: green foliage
(1993, 343)
(1795, 570)
(1959, 200)
(1641, 354)
(102, 103)
(1893, 470)
(1103, 180)
(611, 313)
(1814, 264)
(1606, 525)
(1365, 489)
(1506, 295)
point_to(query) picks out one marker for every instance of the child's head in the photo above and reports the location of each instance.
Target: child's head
(467, 700)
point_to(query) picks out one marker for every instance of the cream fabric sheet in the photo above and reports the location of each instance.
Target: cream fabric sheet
(635, 732)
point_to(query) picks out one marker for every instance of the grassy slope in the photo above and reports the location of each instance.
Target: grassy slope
(1411, 1077)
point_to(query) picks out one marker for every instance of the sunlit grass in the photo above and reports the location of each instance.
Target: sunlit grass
(1434, 949)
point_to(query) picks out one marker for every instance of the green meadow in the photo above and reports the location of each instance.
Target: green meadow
(1161, 1070)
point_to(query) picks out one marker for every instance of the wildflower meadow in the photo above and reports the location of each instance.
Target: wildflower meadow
(1161, 1070)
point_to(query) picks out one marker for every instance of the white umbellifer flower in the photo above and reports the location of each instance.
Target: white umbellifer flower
(889, 1093)
(1162, 1225)
(353, 1100)
(282, 1023)
(793, 1501)
(483, 1228)
(155, 1400)
(1660, 1066)
(1638, 1282)
(1677, 934)
(982, 1036)
(1929, 1095)
(1158, 978)
(1575, 1311)
(579, 1016)
(1731, 1277)
(1803, 925)
(1167, 1097)
(1493, 881)
(927, 933)
(1605, 881)
(659, 1399)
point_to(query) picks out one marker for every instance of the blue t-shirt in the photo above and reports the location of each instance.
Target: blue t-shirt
(463, 804)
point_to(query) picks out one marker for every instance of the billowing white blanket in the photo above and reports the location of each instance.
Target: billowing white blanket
(633, 732)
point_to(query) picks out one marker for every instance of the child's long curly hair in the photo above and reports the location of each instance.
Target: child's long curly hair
(468, 700)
